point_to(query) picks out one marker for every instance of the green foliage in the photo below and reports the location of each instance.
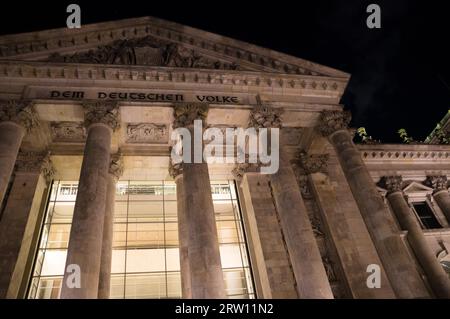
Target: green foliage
(404, 136)
(364, 137)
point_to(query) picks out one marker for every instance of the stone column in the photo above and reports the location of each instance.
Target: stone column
(176, 171)
(436, 275)
(33, 174)
(309, 271)
(16, 118)
(440, 193)
(115, 171)
(400, 268)
(203, 252)
(86, 234)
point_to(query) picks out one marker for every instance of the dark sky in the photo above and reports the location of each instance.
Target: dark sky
(400, 73)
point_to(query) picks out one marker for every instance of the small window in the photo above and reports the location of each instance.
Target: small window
(426, 215)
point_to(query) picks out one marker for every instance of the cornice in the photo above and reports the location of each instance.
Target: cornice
(68, 71)
(384, 153)
(28, 45)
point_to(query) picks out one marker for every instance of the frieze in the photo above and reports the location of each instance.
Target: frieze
(147, 133)
(71, 132)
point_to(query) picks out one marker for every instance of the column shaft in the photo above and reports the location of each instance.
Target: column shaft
(183, 237)
(11, 135)
(104, 285)
(204, 256)
(85, 243)
(312, 281)
(442, 198)
(16, 228)
(401, 271)
(436, 275)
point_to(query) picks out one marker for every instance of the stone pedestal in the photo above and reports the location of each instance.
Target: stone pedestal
(115, 171)
(33, 174)
(183, 232)
(203, 252)
(400, 268)
(86, 234)
(310, 275)
(16, 118)
(436, 275)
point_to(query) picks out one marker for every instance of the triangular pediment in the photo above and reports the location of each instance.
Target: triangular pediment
(416, 187)
(153, 42)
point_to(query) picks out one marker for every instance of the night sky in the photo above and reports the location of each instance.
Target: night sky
(400, 73)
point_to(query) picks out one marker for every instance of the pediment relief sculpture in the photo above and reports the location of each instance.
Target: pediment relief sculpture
(144, 51)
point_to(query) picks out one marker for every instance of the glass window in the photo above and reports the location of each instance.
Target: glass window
(145, 256)
(426, 215)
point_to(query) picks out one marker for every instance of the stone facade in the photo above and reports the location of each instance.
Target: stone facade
(100, 104)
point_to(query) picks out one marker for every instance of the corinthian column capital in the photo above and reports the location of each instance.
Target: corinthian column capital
(265, 116)
(437, 182)
(332, 121)
(175, 170)
(310, 164)
(104, 112)
(35, 162)
(20, 112)
(186, 113)
(392, 183)
(116, 165)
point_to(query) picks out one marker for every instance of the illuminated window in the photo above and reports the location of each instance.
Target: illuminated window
(145, 262)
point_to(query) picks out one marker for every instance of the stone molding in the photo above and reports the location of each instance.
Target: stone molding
(291, 83)
(116, 165)
(437, 182)
(265, 116)
(333, 121)
(35, 162)
(20, 112)
(104, 112)
(384, 155)
(186, 113)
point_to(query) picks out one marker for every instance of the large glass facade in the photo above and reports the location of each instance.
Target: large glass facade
(145, 261)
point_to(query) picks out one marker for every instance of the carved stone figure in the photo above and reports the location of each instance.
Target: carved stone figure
(68, 132)
(146, 133)
(144, 51)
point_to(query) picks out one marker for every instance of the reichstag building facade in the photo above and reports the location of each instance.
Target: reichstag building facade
(93, 207)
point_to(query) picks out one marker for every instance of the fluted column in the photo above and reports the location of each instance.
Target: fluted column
(203, 252)
(385, 235)
(176, 171)
(16, 118)
(115, 171)
(33, 174)
(436, 275)
(309, 271)
(440, 193)
(86, 234)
